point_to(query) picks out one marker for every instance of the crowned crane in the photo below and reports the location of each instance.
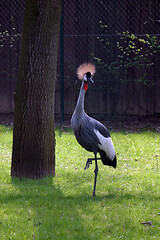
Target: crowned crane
(90, 133)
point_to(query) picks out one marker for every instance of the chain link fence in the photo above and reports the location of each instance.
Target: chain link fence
(11, 24)
(121, 37)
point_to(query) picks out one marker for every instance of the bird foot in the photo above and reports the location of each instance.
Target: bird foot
(89, 161)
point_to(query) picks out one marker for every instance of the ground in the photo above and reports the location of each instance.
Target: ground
(131, 124)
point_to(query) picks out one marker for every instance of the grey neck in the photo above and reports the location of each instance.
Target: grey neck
(80, 103)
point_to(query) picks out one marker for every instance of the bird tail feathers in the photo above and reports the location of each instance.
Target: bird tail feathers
(106, 160)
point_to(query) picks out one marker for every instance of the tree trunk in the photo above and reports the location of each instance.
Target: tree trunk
(33, 152)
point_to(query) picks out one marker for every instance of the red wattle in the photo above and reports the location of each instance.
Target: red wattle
(85, 87)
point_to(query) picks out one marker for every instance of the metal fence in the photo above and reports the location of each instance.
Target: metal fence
(11, 24)
(121, 37)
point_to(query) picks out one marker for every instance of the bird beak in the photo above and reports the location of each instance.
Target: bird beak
(91, 80)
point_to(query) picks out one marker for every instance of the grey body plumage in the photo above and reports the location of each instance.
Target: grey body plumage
(90, 133)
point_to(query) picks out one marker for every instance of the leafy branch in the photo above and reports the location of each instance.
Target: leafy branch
(136, 59)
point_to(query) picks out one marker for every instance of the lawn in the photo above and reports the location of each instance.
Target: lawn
(127, 201)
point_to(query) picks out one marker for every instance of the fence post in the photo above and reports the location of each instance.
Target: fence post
(62, 67)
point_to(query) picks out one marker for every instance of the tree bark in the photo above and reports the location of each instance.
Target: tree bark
(33, 153)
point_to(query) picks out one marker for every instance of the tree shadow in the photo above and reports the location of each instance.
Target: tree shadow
(52, 213)
(46, 209)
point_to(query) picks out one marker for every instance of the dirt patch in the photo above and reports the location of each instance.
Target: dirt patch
(135, 125)
(6, 118)
(130, 124)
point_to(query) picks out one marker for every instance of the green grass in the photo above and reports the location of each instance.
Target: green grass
(63, 207)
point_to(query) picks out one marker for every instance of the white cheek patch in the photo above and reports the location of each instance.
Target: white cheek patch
(85, 77)
(106, 144)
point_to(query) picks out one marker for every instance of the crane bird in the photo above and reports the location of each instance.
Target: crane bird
(90, 133)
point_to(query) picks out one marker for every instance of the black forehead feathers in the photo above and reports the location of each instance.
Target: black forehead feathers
(88, 75)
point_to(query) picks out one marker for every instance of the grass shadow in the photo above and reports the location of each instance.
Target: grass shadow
(44, 210)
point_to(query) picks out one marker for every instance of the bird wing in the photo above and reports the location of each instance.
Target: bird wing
(104, 139)
(87, 138)
(103, 142)
(93, 136)
(85, 134)
(101, 128)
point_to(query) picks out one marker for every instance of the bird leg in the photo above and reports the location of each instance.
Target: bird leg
(96, 173)
(89, 161)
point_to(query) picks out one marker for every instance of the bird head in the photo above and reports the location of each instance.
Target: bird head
(87, 77)
(85, 73)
